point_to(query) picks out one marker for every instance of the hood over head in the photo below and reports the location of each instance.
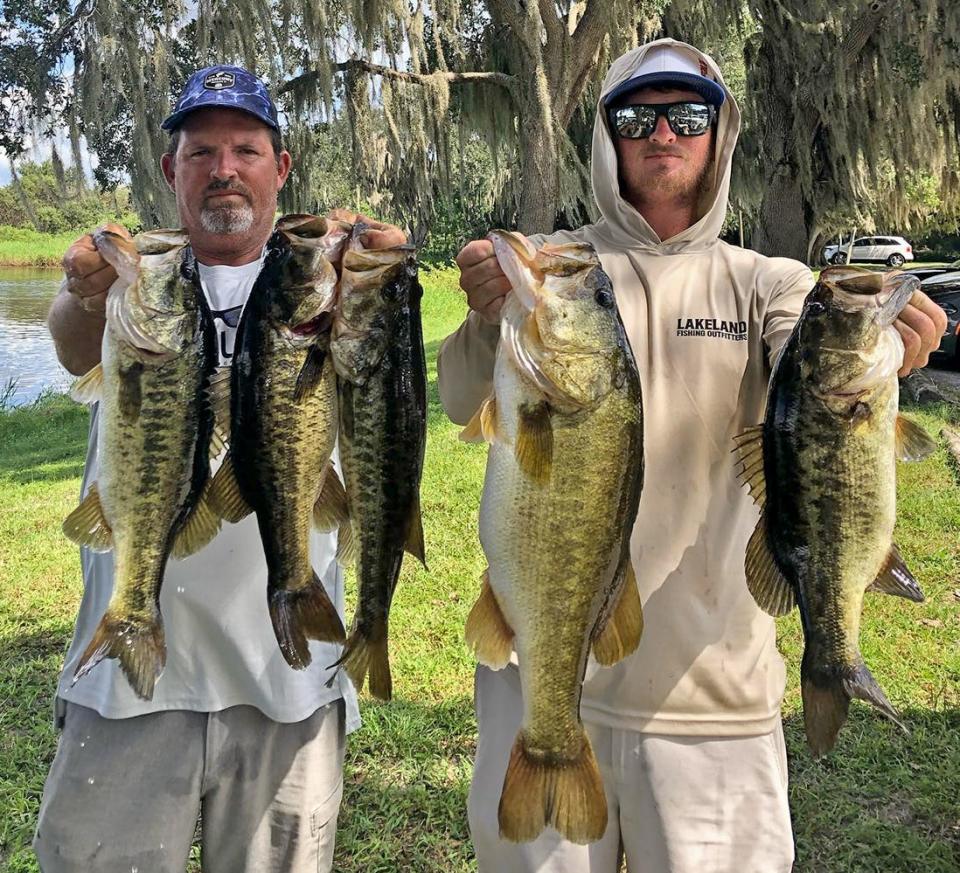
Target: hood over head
(620, 223)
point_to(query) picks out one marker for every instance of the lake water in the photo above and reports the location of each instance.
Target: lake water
(26, 350)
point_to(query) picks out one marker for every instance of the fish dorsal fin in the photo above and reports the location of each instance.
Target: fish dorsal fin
(534, 448)
(218, 394)
(772, 592)
(87, 525)
(487, 631)
(620, 634)
(483, 426)
(89, 387)
(913, 442)
(200, 526)
(749, 459)
(225, 497)
(896, 579)
(414, 544)
(330, 510)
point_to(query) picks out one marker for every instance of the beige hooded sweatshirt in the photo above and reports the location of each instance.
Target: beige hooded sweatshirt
(705, 320)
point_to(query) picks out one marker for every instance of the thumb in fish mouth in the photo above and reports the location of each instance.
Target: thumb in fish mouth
(516, 256)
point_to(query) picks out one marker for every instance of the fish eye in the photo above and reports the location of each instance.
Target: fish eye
(604, 298)
(815, 307)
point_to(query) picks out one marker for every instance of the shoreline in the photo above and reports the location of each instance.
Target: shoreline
(38, 264)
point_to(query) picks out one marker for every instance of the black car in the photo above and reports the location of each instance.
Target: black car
(928, 272)
(944, 289)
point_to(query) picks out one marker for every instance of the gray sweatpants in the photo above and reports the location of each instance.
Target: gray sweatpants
(675, 804)
(123, 795)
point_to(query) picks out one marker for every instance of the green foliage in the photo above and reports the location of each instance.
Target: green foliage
(62, 205)
(24, 247)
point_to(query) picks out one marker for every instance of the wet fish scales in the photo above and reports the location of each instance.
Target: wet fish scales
(822, 468)
(560, 496)
(155, 427)
(381, 367)
(283, 425)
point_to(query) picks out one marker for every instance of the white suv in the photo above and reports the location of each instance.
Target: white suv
(892, 250)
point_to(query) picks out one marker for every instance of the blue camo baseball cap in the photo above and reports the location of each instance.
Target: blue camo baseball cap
(226, 87)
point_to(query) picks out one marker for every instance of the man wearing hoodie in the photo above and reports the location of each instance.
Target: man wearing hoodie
(687, 730)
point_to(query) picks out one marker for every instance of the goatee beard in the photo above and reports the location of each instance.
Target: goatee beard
(227, 220)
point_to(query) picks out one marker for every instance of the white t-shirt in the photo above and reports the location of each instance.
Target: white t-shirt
(221, 649)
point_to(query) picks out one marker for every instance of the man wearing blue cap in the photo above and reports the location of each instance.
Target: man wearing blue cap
(232, 732)
(687, 730)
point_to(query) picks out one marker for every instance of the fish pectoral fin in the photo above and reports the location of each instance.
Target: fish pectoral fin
(913, 442)
(487, 631)
(89, 387)
(770, 589)
(311, 373)
(414, 544)
(225, 497)
(346, 545)
(896, 579)
(218, 396)
(483, 426)
(620, 634)
(534, 448)
(748, 452)
(330, 510)
(87, 525)
(541, 791)
(199, 527)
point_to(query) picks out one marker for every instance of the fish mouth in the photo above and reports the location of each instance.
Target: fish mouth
(312, 327)
(855, 289)
(517, 258)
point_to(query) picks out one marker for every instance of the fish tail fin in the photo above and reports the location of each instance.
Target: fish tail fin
(302, 614)
(138, 646)
(826, 701)
(540, 792)
(366, 656)
(487, 631)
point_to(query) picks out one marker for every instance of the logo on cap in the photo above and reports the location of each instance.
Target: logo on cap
(703, 68)
(219, 81)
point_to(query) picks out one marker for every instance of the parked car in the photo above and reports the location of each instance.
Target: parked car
(945, 291)
(926, 272)
(891, 250)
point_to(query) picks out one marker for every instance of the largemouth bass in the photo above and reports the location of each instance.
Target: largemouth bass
(377, 349)
(560, 497)
(822, 469)
(154, 437)
(283, 426)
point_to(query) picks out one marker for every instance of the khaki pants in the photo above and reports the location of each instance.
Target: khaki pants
(123, 795)
(675, 804)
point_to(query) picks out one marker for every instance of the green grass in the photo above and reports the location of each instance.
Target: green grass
(24, 247)
(881, 802)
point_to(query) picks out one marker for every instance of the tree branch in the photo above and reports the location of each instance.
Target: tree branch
(864, 26)
(555, 30)
(507, 13)
(84, 9)
(503, 80)
(586, 41)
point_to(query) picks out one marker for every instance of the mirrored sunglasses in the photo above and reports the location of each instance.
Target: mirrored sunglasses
(639, 120)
